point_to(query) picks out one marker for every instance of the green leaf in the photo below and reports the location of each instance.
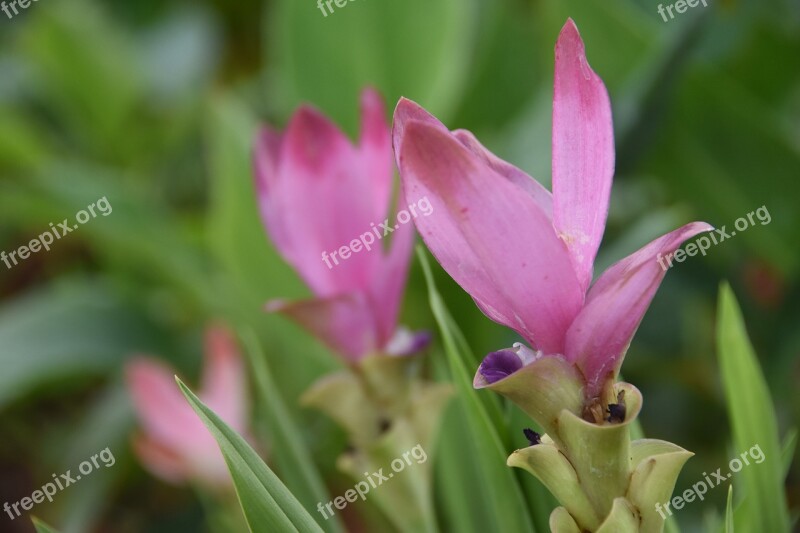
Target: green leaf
(132, 236)
(327, 60)
(290, 450)
(267, 504)
(41, 527)
(753, 420)
(460, 505)
(788, 449)
(504, 498)
(95, 92)
(729, 511)
(74, 331)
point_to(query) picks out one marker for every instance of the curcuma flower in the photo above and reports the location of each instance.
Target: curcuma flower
(325, 203)
(322, 200)
(174, 444)
(526, 257)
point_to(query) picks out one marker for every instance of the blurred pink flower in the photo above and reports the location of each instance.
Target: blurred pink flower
(526, 256)
(318, 192)
(174, 444)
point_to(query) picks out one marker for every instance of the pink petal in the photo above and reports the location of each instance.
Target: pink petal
(390, 279)
(514, 175)
(224, 387)
(408, 110)
(583, 153)
(375, 147)
(322, 203)
(161, 461)
(344, 323)
(496, 243)
(599, 337)
(162, 410)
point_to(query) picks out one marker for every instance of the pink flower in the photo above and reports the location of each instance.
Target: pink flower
(174, 443)
(318, 193)
(526, 256)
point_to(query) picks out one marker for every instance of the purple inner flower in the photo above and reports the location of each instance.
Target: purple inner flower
(498, 365)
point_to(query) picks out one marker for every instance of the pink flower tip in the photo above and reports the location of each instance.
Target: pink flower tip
(173, 443)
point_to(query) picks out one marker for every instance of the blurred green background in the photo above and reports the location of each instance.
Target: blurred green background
(154, 104)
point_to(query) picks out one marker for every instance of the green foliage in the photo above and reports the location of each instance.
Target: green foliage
(415, 48)
(41, 527)
(267, 503)
(752, 417)
(505, 495)
(74, 331)
(154, 105)
(291, 453)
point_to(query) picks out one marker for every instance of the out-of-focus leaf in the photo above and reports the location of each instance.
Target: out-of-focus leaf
(235, 229)
(79, 330)
(22, 144)
(255, 272)
(100, 83)
(179, 55)
(504, 498)
(788, 449)
(504, 58)
(730, 141)
(729, 511)
(752, 418)
(458, 478)
(136, 234)
(41, 527)
(107, 424)
(267, 504)
(415, 48)
(291, 453)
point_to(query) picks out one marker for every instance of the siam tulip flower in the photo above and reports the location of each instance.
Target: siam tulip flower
(526, 257)
(174, 444)
(317, 192)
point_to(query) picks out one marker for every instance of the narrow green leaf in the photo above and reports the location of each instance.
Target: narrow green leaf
(671, 525)
(788, 449)
(267, 504)
(460, 506)
(41, 527)
(729, 511)
(504, 496)
(290, 451)
(753, 420)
